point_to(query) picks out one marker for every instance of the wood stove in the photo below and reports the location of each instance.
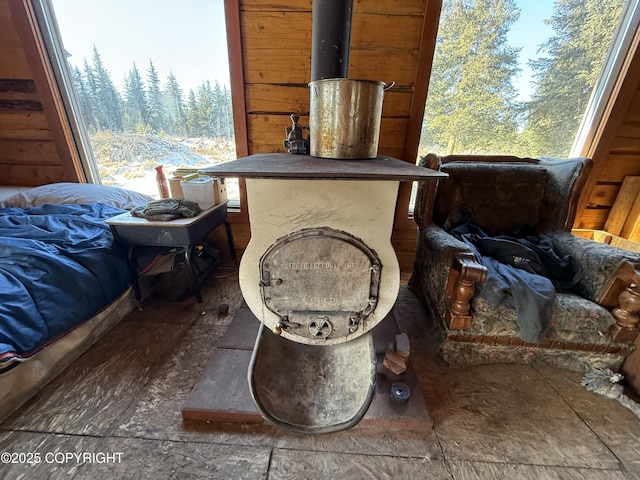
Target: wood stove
(319, 271)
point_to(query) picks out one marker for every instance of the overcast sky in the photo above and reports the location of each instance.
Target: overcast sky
(189, 37)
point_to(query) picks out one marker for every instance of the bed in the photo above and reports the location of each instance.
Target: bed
(49, 234)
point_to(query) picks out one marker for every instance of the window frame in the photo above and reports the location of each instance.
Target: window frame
(50, 34)
(607, 87)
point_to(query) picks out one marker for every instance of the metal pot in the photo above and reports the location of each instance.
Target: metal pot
(344, 117)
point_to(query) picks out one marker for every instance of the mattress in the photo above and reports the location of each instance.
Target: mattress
(47, 235)
(22, 382)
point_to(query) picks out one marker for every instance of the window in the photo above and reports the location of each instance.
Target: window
(148, 83)
(524, 78)
(515, 77)
(614, 66)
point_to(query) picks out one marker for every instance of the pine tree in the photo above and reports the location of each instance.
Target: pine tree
(193, 121)
(206, 111)
(84, 97)
(135, 102)
(174, 108)
(564, 79)
(108, 105)
(91, 89)
(142, 108)
(227, 113)
(472, 101)
(154, 100)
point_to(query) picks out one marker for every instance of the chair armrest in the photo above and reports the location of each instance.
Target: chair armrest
(600, 265)
(466, 271)
(445, 274)
(610, 277)
(444, 243)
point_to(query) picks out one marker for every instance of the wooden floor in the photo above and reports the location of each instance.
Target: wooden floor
(124, 397)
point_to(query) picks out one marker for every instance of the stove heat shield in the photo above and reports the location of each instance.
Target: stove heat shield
(322, 283)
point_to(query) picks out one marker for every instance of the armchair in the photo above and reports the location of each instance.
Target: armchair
(594, 324)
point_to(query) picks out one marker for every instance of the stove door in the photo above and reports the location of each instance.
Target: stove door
(322, 283)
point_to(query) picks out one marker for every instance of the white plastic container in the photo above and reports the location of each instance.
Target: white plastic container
(199, 190)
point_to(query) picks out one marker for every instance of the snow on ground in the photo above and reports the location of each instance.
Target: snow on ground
(128, 160)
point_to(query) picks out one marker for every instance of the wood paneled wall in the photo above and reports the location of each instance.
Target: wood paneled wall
(33, 147)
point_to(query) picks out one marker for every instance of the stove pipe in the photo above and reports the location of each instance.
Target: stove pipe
(331, 38)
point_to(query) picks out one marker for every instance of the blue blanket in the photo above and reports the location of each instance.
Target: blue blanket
(59, 266)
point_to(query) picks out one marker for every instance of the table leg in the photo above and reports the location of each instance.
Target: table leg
(188, 250)
(132, 257)
(232, 249)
